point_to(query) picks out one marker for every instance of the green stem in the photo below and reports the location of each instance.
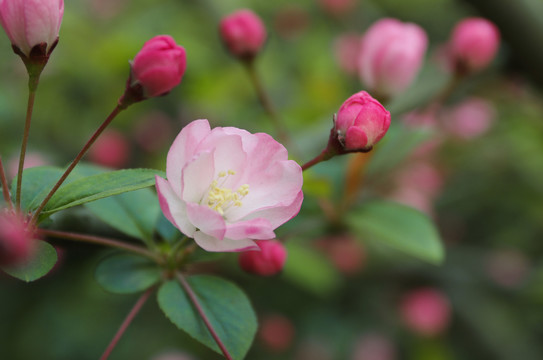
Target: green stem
(33, 81)
(131, 315)
(102, 241)
(79, 156)
(4, 183)
(266, 103)
(184, 283)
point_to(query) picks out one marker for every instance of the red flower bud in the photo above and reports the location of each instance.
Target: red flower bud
(474, 44)
(159, 66)
(243, 33)
(361, 122)
(266, 262)
(16, 244)
(426, 311)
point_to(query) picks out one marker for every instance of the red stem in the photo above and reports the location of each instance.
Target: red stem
(79, 156)
(131, 315)
(4, 183)
(200, 310)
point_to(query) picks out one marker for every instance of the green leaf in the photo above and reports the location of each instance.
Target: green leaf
(310, 269)
(400, 226)
(45, 257)
(127, 274)
(133, 213)
(166, 230)
(226, 306)
(100, 186)
(37, 182)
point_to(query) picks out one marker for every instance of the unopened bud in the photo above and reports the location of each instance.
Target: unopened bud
(266, 262)
(243, 33)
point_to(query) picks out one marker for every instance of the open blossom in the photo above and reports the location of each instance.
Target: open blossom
(243, 33)
(32, 22)
(361, 122)
(159, 66)
(227, 187)
(391, 55)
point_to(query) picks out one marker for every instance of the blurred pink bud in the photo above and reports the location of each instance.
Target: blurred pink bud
(276, 332)
(361, 122)
(374, 346)
(266, 262)
(391, 55)
(426, 311)
(30, 23)
(422, 176)
(338, 7)
(243, 33)
(159, 66)
(420, 119)
(111, 149)
(16, 238)
(348, 255)
(474, 44)
(346, 50)
(470, 119)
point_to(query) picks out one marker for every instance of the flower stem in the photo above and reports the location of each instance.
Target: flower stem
(101, 241)
(323, 156)
(33, 81)
(266, 103)
(79, 156)
(184, 283)
(4, 183)
(131, 315)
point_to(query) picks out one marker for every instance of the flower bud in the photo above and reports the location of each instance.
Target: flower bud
(31, 23)
(157, 68)
(266, 262)
(426, 311)
(111, 149)
(361, 122)
(243, 33)
(391, 55)
(16, 244)
(474, 44)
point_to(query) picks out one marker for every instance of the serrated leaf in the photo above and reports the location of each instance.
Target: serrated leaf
(100, 186)
(127, 274)
(310, 269)
(45, 257)
(227, 307)
(400, 226)
(134, 213)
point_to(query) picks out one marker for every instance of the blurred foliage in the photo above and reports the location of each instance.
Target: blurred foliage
(489, 211)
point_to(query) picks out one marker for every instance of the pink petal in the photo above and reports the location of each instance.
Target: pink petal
(210, 243)
(206, 220)
(255, 229)
(196, 177)
(355, 138)
(278, 214)
(173, 208)
(183, 149)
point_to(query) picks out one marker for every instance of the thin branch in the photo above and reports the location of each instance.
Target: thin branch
(200, 310)
(5, 186)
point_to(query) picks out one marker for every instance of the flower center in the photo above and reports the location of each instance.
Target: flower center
(221, 198)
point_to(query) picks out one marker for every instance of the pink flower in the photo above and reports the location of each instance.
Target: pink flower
(112, 149)
(243, 33)
(391, 55)
(159, 66)
(16, 244)
(426, 311)
(32, 22)
(266, 262)
(361, 122)
(227, 187)
(474, 44)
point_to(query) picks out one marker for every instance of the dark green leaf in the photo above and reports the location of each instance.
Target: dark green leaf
(127, 274)
(167, 231)
(100, 186)
(37, 182)
(400, 226)
(133, 213)
(226, 306)
(40, 264)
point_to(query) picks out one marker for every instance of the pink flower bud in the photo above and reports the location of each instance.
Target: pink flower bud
(16, 244)
(243, 33)
(266, 262)
(474, 44)
(29, 23)
(361, 122)
(391, 55)
(159, 66)
(426, 311)
(276, 332)
(111, 149)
